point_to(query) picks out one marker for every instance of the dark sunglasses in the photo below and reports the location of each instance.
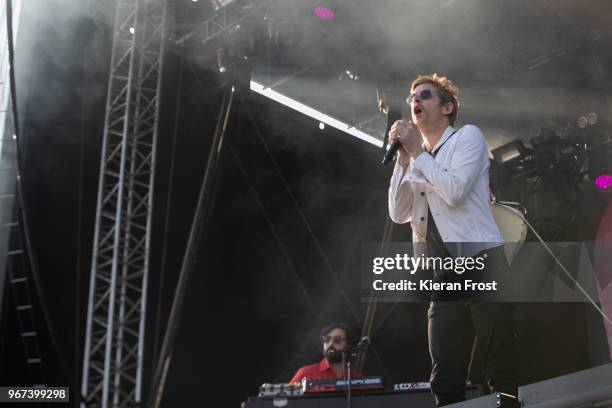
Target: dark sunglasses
(424, 94)
(334, 339)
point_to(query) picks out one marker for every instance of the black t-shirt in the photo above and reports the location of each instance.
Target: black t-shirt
(437, 248)
(435, 244)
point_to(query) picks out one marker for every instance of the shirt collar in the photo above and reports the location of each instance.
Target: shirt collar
(445, 135)
(324, 364)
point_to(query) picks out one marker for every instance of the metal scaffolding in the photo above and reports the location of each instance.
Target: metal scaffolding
(7, 151)
(222, 22)
(114, 341)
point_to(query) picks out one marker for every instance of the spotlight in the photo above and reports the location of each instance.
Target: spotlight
(321, 125)
(348, 74)
(221, 60)
(509, 151)
(512, 161)
(604, 181)
(324, 13)
(132, 30)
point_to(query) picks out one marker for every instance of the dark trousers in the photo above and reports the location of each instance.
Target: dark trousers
(453, 327)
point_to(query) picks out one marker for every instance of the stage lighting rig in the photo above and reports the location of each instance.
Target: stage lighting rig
(237, 48)
(513, 158)
(592, 142)
(227, 16)
(549, 176)
(219, 4)
(349, 75)
(584, 121)
(536, 177)
(512, 165)
(553, 154)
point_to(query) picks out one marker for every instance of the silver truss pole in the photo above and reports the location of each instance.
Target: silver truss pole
(96, 358)
(7, 179)
(114, 341)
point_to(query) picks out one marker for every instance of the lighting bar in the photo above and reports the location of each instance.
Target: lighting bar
(313, 113)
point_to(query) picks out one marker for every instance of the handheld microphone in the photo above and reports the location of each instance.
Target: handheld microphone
(395, 146)
(391, 108)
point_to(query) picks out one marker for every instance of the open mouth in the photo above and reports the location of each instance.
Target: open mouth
(417, 110)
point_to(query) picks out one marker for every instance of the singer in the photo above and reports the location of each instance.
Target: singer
(335, 341)
(440, 184)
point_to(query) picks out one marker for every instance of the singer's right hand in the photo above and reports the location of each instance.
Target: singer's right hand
(398, 132)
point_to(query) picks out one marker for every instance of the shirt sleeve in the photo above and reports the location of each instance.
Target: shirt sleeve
(400, 195)
(298, 376)
(470, 159)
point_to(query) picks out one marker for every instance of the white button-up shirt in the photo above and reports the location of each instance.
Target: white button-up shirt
(455, 184)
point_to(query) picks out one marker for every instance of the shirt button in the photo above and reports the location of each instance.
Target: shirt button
(422, 218)
(422, 193)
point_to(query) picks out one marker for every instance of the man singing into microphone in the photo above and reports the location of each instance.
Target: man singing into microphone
(440, 184)
(334, 340)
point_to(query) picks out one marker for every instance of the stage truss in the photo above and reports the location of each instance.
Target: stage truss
(114, 342)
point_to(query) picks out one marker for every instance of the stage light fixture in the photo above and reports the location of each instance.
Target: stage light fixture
(313, 113)
(324, 13)
(604, 181)
(509, 151)
(221, 60)
(348, 74)
(132, 30)
(321, 125)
